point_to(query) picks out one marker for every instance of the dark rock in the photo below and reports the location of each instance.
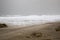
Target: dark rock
(3, 25)
(58, 28)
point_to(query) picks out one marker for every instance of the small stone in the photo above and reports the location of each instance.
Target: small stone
(27, 37)
(46, 39)
(37, 34)
(58, 28)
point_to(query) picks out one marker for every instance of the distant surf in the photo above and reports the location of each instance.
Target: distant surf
(29, 20)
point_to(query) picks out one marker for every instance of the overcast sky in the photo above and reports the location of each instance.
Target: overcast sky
(29, 7)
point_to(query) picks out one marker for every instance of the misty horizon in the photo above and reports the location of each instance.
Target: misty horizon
(29, 7)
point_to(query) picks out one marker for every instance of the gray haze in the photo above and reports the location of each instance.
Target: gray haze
(29, 7)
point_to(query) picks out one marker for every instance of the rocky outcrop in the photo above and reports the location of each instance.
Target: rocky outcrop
(3, 25)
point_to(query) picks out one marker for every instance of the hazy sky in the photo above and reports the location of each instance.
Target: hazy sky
(29, 7)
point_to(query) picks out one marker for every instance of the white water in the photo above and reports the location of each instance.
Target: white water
(29, 20)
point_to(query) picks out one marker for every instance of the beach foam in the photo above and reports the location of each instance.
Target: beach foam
(29, 20)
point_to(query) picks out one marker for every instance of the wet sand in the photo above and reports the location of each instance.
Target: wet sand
(47, 31)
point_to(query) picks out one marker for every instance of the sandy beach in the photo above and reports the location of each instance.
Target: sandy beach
(47, 31)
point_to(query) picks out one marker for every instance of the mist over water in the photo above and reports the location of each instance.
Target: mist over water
(29, 20)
